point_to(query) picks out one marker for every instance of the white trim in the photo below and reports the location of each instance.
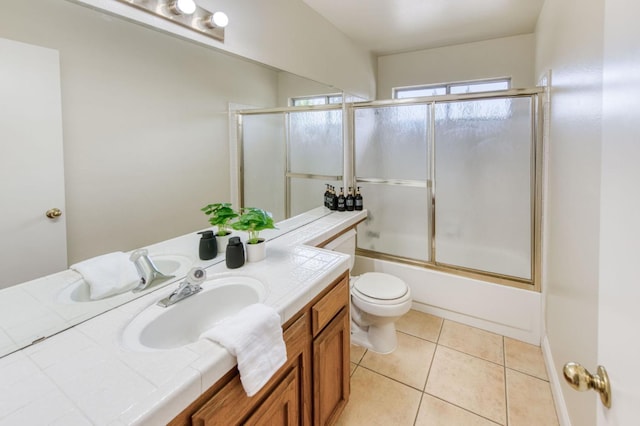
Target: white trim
(555, 384)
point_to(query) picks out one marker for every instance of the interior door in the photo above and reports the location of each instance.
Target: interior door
(31, 164)
(619, 287)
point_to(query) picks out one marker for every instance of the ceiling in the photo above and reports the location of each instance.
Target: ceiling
(392, 26)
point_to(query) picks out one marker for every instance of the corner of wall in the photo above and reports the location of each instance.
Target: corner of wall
(555, 384)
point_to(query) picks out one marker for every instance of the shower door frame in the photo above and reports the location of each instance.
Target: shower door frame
(288, 174)
(349, 176)
(536, 95)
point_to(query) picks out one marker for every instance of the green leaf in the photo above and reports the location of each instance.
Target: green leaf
(253, 220)
(220, 215)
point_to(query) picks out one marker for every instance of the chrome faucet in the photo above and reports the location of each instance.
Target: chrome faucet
(146, 269)
(188, 287)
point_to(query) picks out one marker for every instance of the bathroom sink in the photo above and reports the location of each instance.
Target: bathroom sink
(158, 328)
(78, 291)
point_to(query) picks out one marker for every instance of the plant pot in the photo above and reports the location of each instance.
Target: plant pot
(256, 252)
(222, 242)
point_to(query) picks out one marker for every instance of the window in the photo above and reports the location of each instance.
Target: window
(452, 88)
(335, 98)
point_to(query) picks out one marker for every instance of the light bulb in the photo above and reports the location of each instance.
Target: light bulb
(183, 7)
(219, 20)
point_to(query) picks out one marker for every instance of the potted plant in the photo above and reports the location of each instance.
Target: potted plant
(220, 215)
(254, 220)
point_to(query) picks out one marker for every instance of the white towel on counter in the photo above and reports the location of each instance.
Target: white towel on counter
(254, 337)
(108, 274)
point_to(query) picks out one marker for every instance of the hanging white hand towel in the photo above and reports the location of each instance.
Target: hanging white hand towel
(108, 274)
(254, 337)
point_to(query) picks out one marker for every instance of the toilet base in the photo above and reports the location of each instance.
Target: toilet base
(381, 339)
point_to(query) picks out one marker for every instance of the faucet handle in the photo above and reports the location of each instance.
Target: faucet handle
(196, 276)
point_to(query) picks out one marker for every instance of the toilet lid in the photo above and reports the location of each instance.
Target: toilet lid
(380, 286)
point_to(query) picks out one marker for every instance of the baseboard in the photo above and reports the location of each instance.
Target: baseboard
(555, 383)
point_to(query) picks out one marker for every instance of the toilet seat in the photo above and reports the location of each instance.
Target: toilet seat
(379, 288)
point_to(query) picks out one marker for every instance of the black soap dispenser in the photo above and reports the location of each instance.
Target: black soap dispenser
(235, 253)
(208, 245)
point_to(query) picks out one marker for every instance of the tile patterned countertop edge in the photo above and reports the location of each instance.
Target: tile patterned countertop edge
(85, 376)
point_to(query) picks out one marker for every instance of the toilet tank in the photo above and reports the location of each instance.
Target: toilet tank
(345, 243)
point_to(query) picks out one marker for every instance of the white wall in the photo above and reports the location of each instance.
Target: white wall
(291, 85)
(285, 34)
(569, 39)
(503, 57)
(144, 123)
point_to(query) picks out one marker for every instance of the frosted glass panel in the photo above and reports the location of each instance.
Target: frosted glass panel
(398, 220)
(315, 142)
(483, 185)
(307, 194)
(263, 151)
(391, 142)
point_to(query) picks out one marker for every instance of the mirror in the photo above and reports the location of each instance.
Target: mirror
(145, 138)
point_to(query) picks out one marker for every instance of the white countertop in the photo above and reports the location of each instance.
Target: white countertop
(85, 376)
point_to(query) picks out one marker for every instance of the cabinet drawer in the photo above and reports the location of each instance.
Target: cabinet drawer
(327, 307)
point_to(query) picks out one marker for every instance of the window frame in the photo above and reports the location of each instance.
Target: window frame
(326, 97)
(449, 85)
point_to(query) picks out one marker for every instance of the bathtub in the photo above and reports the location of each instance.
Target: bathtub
(501, 309)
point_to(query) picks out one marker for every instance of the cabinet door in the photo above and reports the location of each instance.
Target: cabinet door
(281, 408)
(331, 370)
(231, 405)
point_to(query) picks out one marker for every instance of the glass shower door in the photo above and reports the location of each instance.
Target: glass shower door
(484, 184)
(392, 169)
(263, 163)
(315, 157)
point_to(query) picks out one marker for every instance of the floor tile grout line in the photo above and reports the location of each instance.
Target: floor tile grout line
(391, 378)
(475, 356)
(461, 407)
(417, 337)
(415, 418)
(527, 374)
(424, 387)
(440, 331)
(506, 390)
(471, 355)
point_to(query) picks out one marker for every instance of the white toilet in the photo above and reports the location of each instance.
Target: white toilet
(377, 301)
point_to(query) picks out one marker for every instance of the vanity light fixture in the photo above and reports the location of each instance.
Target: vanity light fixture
(185, 13)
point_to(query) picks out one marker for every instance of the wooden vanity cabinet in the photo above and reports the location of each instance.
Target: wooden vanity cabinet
(331, 350)
(312, 387)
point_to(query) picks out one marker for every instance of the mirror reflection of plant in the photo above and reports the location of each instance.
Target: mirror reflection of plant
(253, 220)
(220, 215)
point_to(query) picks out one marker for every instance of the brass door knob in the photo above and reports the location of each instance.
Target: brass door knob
(580, 379)
(53, 213)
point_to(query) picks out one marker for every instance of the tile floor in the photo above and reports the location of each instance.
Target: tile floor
(449, 374)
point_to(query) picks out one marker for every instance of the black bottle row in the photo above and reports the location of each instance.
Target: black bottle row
(340, 202)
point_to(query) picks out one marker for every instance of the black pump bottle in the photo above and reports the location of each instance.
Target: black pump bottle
(235, 253)
(208, 245)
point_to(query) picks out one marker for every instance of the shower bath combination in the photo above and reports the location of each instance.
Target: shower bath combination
(451, 180)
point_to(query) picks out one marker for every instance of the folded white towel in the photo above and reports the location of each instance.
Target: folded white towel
(254, 337)
(108, 274)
